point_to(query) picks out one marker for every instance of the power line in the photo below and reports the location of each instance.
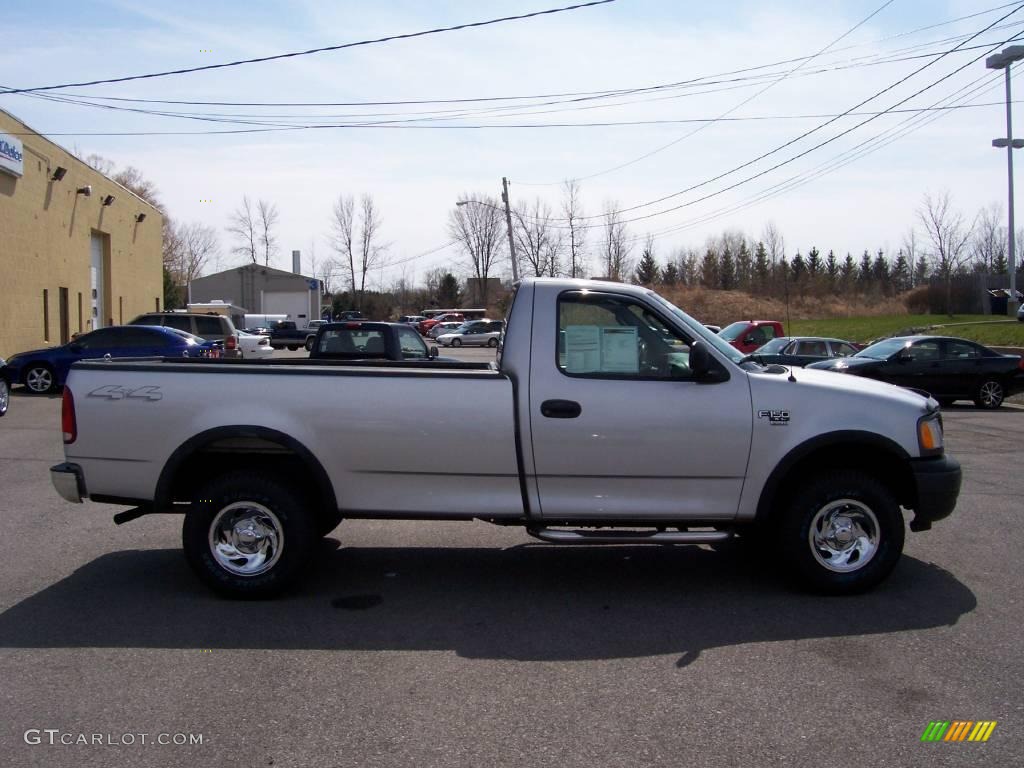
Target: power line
(519, 126)
(814, 130)
(294, 54)
(729, 111)
(800, 154)
(614, 91)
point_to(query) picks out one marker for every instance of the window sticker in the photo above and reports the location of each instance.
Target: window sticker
(620, 352)
(601, 349)
(582, 349)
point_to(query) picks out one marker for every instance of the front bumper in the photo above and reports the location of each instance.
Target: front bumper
(937, 482)
(69, 482)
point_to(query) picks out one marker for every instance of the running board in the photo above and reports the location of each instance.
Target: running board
(629, 537)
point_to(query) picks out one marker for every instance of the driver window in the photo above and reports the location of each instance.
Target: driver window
(609, 336)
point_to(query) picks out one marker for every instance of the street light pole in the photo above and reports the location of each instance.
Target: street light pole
(1003, 60)
(508, 221)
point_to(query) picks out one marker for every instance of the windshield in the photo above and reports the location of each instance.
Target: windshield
(883, 350)
(732, 332)
(698, 330)
(774, 346)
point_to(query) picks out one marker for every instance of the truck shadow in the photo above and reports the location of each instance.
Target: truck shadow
(525, 603)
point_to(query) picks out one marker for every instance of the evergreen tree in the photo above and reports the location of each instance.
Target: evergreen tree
(709, 269)
(880, 271)
(448, 290)
(900, 274)
(744, 267)
(727, 271)
(921, 271)
(799, 271)
(847, 273)
(864, 275)
(781, 276)
(647, 270)
(999, 265)
(670, 274)
(832, 271)
(813, 262)
(762, 268)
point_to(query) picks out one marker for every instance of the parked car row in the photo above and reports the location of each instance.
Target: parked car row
(480, 333)
(947, 368)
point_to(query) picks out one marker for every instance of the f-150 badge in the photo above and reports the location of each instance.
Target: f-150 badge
(775, 418)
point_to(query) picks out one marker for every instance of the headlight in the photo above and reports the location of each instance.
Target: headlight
(929, 434)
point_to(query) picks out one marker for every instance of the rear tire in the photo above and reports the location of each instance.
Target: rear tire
(990, 394)
(248, 535)
(842, 534)
(292, 347)
(5, 395)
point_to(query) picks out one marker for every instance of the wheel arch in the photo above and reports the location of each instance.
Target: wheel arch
(227, 447)
(850, 449)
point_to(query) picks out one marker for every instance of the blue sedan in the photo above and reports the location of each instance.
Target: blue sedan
(44, 370)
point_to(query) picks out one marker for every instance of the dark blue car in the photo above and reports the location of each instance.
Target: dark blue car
(44, 370)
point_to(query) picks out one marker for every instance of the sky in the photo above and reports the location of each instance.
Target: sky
(835, 197)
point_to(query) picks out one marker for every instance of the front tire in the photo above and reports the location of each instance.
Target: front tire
(990, 394)
(5, 395)
(248, 535)
(456, 342)
(39, 379)
(843, 533)
(492, 343)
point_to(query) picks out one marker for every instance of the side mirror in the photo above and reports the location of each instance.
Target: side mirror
(432, 353)
(75, 347)
(748, 339)
(700, 360)
(904, 356)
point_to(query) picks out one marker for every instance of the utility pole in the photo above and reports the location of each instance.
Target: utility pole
(508, 222)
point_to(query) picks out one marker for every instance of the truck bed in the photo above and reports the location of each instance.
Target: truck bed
(396, 439)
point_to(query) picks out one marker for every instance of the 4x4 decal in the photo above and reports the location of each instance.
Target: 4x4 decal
(117, 392)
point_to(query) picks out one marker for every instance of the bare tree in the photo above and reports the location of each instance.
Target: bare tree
(355, 236)
(199, 244)
(100, 163)
(244, 228)
(572, 211)
(267, 222)
(949, 237)
(478, 225)
(535, 236)
(774, 243)
(988, 246)
(912, 250)
(616, 244)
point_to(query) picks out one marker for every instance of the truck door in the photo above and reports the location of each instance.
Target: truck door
(621, 430)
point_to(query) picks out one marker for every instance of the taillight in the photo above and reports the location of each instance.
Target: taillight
(1020, 363)
(230, 342)
(68, 423)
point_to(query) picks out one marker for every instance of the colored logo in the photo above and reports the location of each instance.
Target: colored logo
(958, 730)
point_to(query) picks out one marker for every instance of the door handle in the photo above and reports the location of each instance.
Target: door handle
(560, 409)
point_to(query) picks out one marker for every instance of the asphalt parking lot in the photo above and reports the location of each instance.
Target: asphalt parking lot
(464, 644)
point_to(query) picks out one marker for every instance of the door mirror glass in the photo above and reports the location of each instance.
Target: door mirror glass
(700, 360)
(433, 352)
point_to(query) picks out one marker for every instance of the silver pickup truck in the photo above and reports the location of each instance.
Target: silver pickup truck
(609, 417)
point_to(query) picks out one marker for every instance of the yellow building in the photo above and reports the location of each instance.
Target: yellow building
(77, 250)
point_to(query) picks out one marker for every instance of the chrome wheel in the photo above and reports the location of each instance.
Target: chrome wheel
(5, 396)
(39, 379)
(991, 394)
(844, 535)
(246, 538)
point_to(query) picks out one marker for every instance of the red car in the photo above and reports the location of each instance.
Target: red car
(425, 325)
(748, 335)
